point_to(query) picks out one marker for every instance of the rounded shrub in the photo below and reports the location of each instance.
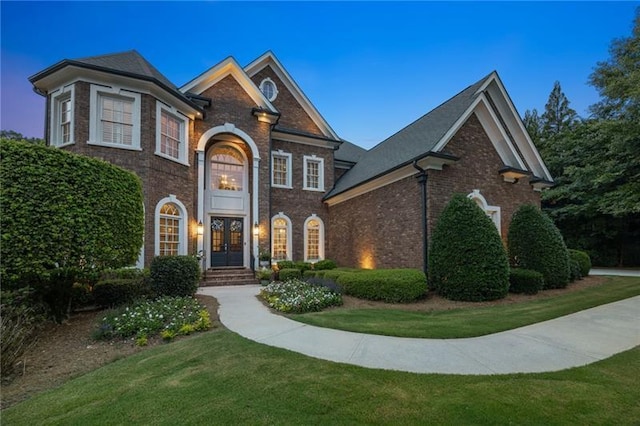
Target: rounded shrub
(467, 259)
(583, 260)
(175, 275)
(525, 281)
(288, 274)
(116, 292)
(303, 266)
(286, 264)
(324, 264)
(388, 285)
(535, 243)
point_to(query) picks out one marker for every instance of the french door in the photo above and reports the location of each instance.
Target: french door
(226, 241)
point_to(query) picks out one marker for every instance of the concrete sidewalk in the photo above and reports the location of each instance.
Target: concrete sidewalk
(615, 271)
(570, 341)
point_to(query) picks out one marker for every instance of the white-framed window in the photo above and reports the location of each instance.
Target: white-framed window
(114, 118)
(227, 165)
(281, 169)
(62, 113)
(280, 237)
(171, 227)
(171, 134)
(269, 89)
(492, 212)
(313, 173)
(313, 239)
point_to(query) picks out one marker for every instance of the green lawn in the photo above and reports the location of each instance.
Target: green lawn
(470, 322)
(221, 378)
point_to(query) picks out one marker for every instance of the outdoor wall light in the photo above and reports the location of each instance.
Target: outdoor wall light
(200, 228)
(256, 229)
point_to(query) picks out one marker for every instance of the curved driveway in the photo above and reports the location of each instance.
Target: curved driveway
(570, 341)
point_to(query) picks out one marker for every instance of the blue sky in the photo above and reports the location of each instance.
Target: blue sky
(370, 68)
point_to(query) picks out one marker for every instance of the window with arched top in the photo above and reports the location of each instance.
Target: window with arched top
(280, 237)
(171, 227)
(313, 239)
(492, 212)
(227, 169)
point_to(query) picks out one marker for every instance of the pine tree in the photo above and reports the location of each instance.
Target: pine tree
(558, 116)
(533, 123)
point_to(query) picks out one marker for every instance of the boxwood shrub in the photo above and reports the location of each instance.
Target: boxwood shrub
(286, 264)
(116, 292)
(303, 266)
(467, 259)
(388, 285)
(525, 281)
(324, 264)
(535, 243)
(288, 274)
(583, 260)
(175, 275)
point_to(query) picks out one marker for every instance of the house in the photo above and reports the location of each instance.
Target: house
(239, 160)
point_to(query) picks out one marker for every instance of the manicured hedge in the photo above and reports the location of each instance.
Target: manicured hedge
(116, 292)
(525, 281)
(324, 264)
(467, 259)
(288, 274)
(64, 209)
(388, 285)
(286, 264)
(535, 243)
(583, 260)
(175, 275)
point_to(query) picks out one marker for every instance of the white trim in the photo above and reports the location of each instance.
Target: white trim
(57, 97)
(281, 215)
(275, 89)
(320, 238)
(184, 133)
(140, 261)
(268, 58)
(184, 219)
(287, 156)
(97, 93)
(313, 158)
(223, 69)
(228, 128)
(492, 212)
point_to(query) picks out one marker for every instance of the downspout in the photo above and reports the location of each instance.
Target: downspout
(422, 180)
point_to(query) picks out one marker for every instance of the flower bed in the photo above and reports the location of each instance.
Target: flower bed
(167, 316)
(297, 296)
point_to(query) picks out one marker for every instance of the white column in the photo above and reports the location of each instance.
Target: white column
(254, 214)
(201, 202)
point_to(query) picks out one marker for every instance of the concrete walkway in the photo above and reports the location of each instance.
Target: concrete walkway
(570, 341)
(615, 271)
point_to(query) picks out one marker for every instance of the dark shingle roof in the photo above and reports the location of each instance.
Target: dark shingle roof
(349, 152)
(412, 142)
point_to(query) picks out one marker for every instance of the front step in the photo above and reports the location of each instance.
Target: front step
(228, 276)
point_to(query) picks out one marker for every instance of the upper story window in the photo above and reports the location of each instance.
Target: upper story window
(171, 134)
(227, 169)
(115, 118)
(281, 169)
(313, 173)
(62, 117)
(269, 89)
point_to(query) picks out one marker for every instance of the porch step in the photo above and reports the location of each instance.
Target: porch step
(228, 276)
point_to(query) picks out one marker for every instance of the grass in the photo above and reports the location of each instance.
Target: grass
(471, 322)
(221, 378)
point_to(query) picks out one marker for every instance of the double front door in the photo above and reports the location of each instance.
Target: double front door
(227, 241)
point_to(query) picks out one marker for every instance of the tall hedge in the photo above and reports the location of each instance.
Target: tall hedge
(535, 243)
(467, 260)
(63, 209)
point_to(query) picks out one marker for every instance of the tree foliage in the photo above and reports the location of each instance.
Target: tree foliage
(15, 136)
(558, 116)
(468, 260)
(66, 210)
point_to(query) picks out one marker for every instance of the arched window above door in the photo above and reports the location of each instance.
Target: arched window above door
(227, 169)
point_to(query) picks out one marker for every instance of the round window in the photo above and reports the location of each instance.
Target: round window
(268, 89)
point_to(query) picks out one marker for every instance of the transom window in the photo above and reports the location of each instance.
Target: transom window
(227, 169)
(313, 173)
(116, 120)
(169, 230)
(281, 169)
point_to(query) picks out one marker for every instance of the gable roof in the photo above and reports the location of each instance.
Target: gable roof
(127, 64)
(429, 135)
(223, 69)
(349, 152)
(269, 59)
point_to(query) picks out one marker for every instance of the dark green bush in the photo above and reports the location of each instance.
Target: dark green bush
(323, 282)
(303, 266)
(67, 210)
(289, 274)
(320, 273)
(574, 270)
(467, 259)
(525, 281)
(286, 264)
(324, 264)
(332, 274)
(175, 275)
(56, 290)
(309, 274)
(81, 295)
(388, 285)
(116, 292)
(583, 260)
(535, 243)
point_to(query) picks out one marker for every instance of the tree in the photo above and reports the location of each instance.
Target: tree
(558, 116)
(15, 136)
(533, 123)
(618, 79)
(468, 260)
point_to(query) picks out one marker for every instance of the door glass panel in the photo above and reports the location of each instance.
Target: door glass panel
(217, 235)
(235, 235)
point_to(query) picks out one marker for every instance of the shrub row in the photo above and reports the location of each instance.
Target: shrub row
(388, 285)
(525, 281)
